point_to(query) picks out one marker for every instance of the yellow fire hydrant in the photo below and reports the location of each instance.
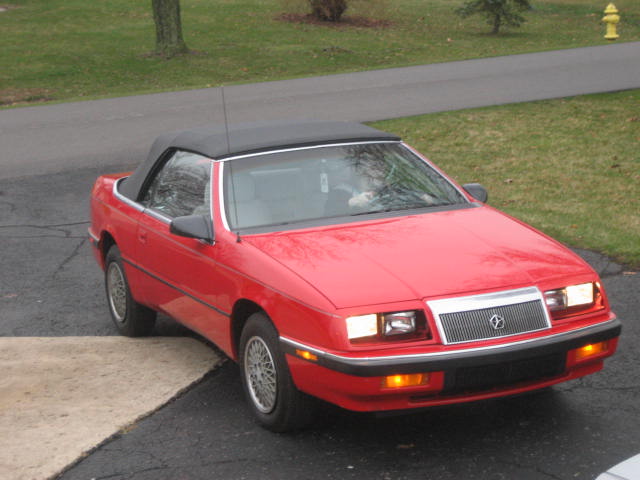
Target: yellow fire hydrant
(611, 18)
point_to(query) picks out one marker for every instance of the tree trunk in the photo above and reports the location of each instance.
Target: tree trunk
(166, 14)
(497, 21)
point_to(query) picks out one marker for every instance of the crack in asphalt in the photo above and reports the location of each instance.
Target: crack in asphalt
(580, 385)
(145, 470)
(113, 475)
(530, 468)
(608, 275)
(53, 225)
(617, 389)
(133, 474)
(52, 229)
(12, 206)
(33, 237)
(73, 255)
(603, 273)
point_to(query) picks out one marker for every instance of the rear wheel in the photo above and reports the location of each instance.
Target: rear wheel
(273, 398)
(131, 318)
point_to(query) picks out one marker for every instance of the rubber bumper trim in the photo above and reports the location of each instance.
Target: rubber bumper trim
(452, 359)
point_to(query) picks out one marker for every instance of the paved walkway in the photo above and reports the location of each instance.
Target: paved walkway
(62, 396)
(120, 130)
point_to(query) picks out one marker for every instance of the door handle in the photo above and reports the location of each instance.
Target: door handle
(142, 236)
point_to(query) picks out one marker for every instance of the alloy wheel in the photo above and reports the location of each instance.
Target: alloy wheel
(260, 375)
(117, 290)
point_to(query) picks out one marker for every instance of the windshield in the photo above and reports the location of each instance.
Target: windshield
(328, 182)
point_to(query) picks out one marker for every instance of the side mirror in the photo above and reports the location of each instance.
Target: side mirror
(477, 191)
(193, 226)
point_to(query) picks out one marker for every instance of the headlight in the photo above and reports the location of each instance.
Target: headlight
(569, 296)
(383, 325)
(398, 323)
(362, 326)
(573, 298)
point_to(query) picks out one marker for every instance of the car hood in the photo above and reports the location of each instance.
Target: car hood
(419, 256)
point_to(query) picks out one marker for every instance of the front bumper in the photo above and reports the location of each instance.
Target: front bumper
(457, 375)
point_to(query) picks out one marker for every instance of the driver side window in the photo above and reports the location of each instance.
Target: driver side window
(182, 186)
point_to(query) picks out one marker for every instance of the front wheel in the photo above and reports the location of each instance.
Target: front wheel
(131, 318)
(273, 398)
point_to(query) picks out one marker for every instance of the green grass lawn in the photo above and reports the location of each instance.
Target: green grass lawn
(73, 49)
(569, 167)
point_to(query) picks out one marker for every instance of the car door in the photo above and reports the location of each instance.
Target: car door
(180, 273)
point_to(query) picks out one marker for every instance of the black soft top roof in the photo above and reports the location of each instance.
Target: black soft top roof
(211, 141)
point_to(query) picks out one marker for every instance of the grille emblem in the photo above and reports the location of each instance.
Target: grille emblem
(497, 322)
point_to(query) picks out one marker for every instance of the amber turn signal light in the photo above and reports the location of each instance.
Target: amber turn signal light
(409, 380)
(591, 350)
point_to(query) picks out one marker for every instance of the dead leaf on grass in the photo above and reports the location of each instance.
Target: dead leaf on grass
(6, 8)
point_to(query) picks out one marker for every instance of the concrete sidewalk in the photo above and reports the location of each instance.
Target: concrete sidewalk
(120, 130)
(62, 396)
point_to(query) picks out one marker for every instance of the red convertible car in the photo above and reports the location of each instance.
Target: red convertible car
(332, 261)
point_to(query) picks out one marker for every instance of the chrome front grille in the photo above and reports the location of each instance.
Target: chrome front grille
(476, 324)
(487, 316)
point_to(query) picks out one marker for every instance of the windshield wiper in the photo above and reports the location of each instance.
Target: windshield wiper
(402, 208)
(381, 210)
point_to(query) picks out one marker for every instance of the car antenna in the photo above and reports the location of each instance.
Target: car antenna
(226, 122)
(226, 131)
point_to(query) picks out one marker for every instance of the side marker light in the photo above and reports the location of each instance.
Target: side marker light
(306, 355)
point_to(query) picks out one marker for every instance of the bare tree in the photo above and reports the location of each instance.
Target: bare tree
(169, 41)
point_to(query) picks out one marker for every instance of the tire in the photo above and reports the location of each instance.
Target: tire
(273, 399)
(131, 318)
